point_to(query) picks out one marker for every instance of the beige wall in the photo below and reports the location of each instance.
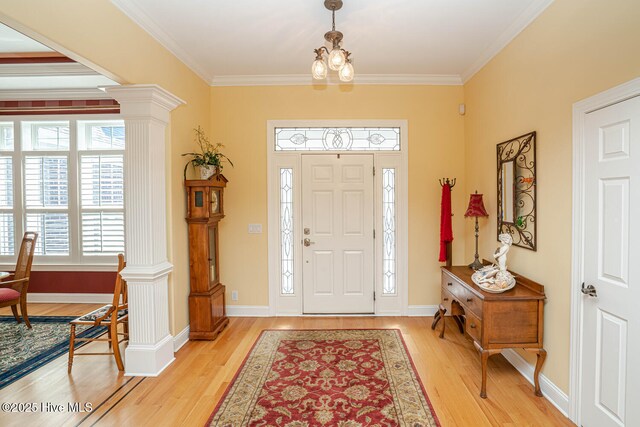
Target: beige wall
(239, 120)
(575, 49)
(96, 32)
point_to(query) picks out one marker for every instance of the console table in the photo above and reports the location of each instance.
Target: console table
(512, 319)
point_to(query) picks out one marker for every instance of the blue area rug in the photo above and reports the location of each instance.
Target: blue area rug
(24, 350)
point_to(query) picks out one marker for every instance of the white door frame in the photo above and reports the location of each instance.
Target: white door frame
(580, 110)
(385, 305)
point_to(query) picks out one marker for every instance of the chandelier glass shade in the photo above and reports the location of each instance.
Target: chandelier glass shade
(338, 58)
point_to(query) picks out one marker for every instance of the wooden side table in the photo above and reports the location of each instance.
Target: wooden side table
(512, 319)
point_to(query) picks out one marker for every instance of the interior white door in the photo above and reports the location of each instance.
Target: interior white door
(338, 227)
(610, 391)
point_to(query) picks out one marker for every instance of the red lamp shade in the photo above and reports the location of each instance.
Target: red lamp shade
(476, 206)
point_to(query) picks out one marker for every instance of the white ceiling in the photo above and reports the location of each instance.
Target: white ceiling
(245, 41)
(12, 41)
(28, 81)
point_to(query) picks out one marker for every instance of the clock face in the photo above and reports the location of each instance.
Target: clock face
(215, 201)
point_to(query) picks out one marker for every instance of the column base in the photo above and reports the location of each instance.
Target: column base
(149, 360)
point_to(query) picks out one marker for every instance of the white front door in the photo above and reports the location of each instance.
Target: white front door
(611, 320)
(338, 227)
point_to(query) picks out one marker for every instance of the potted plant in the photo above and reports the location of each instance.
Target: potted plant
(209, 159)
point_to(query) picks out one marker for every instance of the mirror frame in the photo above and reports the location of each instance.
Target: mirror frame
(522, 152)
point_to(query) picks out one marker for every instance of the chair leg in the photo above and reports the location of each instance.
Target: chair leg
(72, 339)
(23, 310)
(14, 309)
(113, 331)
(109, 337)
(125, 326)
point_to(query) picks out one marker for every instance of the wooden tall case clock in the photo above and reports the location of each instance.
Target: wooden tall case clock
(205, 209)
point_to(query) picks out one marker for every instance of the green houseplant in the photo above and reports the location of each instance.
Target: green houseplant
(209, 159)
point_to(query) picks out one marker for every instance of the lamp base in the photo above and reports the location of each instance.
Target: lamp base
(476, 264)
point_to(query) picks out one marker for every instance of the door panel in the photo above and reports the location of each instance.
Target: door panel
(614, 235)
(612, 366)
(353, 278)
(322, 224)
(611, 321)
(353, 220)
(338, 209)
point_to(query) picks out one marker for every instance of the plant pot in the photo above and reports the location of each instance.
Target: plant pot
(207, 171)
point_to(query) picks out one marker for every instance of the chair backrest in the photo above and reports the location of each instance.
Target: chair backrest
(120, 289)
(25, 256)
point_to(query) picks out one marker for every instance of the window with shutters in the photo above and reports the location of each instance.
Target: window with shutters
(63, 179)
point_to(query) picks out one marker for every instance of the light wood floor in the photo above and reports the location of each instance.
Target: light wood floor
(187, 391)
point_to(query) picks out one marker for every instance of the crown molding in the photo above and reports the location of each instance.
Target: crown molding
(51, 94)
(46, 70)
(366, 79)
(516, 27)
(143, 20)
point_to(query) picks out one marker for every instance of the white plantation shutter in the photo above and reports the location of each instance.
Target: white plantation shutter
(102, 233)
(53, 232)
(7, 237)
(7, 234)
(63, 179)
(46, 181)
(102, 200)
(6, 182)
(46, 189)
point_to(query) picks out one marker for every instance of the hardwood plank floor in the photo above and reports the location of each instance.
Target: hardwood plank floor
(187, 391)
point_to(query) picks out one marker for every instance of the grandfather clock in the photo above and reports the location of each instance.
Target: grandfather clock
(205, 209)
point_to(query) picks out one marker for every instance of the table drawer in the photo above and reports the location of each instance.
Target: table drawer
(473, 326)
(455, 287)
(473, 303)
(445, 299)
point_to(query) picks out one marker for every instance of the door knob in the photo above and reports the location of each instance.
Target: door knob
(307, 242)
(589, 290)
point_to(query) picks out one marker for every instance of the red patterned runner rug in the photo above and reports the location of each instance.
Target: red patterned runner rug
(345, 378)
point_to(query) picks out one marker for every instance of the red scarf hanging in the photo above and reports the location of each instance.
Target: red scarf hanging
(446, 232)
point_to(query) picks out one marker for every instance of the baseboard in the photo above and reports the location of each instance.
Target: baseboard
(388, 313)
(247, 310)
(180, 339)
(552, 392)
(70, 298)
(421, 310)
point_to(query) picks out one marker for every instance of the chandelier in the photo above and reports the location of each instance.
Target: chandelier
(338, 59)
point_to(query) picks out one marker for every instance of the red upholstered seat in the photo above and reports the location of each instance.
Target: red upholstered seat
(8, 294)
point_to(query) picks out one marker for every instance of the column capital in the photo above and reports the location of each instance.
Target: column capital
(144, 101)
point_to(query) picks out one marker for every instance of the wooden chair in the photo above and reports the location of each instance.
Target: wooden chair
(14, 292)
(110, 316)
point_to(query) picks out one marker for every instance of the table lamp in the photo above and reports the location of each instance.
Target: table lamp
(476, 209)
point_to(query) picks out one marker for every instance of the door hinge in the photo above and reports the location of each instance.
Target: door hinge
(374, 295)
(374, 171)
(374, 233)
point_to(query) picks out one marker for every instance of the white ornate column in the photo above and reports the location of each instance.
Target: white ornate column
(146, 112)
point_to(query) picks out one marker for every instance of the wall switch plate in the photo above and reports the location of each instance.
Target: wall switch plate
(255, 228)
(234, 295)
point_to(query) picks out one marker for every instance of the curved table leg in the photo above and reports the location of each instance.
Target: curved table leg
(460, 321)
(442, 312)
(436, 318)
(541, 356)
(484, 358)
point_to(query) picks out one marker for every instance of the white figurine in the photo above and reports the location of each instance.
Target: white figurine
(501, 253)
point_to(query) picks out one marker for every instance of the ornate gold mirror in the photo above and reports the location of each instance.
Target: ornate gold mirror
(517, 190)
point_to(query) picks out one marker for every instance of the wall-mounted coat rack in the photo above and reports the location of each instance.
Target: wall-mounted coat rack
(451, 182)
